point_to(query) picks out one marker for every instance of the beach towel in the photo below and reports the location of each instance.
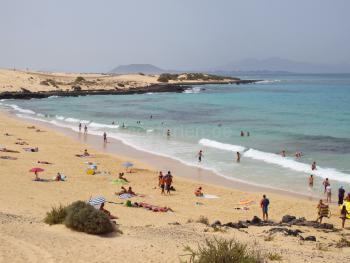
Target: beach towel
(209, 196)
(126, 196)
(119, 182)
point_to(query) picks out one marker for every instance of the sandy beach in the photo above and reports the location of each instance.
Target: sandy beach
(156, 237)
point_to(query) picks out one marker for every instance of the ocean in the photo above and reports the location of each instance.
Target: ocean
(307, 113)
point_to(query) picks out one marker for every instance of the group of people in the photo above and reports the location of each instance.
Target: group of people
(165, 182)
(85, 128)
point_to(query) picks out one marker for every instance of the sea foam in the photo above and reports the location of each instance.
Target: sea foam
(221, 146)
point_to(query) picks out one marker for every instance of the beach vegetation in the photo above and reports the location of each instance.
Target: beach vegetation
(274, 257)
(203, 220)
(165, 77)
(269, 238)
(56, 215)
(79, 79)
(49, 82)
(221, 250)
(83, 217)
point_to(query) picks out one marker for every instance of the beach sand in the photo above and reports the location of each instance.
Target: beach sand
(147, 236)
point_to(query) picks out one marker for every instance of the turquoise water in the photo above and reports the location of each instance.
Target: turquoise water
(307, 113)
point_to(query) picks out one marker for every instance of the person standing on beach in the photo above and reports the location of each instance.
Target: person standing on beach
(341, 194)
(85, 129)
(238, 157)
(329, 194)
(168, 133)
(325, 184)
(313, 166)
(79, 126)
(311, 181)
(161, 182)
(264, 206)
(168, 181)
(105, 137)
(343, 215)
(200, 155)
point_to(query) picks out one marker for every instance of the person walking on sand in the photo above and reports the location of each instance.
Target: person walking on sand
(313, 166)
(343, 215)
(323, 211)
(105, 137)
(85, 129)
(329, 194)
(311, 181)
(238, 157)
(200, 155)
(265, 202)
(168, 181)
(79, 126)
(341, 194)
(325, 184)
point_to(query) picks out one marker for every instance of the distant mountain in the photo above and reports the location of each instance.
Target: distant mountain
(137, 68)
(280, 64)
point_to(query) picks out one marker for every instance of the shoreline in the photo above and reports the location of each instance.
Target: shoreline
(165, 163)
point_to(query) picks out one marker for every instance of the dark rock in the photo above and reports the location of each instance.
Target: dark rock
(286, 231)
(238, 225)
(288, 218)
(255, 221)
(310, 238)
(216, 223)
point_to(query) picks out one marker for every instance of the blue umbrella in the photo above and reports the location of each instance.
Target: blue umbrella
(128, 164)
(97, 201)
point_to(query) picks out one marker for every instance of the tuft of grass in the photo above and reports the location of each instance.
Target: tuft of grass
(269, 238)
(56, 215)
(85, 218)
(203, 220)
(274, 257)
(220, 250)
(343, 242)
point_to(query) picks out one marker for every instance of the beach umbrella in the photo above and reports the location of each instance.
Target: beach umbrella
(36, 170)
(97, 201)
(128, 164)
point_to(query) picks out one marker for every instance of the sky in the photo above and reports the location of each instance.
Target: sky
(98, 35)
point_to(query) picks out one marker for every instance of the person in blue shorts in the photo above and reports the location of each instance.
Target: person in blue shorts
(265, 206)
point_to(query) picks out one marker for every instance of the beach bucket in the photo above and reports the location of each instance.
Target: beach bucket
(90, 171)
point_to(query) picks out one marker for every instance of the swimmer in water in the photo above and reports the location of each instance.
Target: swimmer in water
(168, 133)
(79, 127)
(105, 137)
(242, 134)
(238, 157)
(311, 181)
(248, 134)
(313, 166)
(123, 126)
(283, 153)
(200, 155)
(85, 129)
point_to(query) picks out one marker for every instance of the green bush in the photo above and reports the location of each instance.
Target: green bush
(165, 77)
(85, 218)
(203, 220)
(56, 215)
(221, 251)
(79, 79)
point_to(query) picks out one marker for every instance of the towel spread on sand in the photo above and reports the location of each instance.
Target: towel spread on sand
(118, 182)
(209, 196)
(126, 196)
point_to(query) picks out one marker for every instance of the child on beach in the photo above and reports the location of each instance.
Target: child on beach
(168, 181)
(161, 182)
(198, 192)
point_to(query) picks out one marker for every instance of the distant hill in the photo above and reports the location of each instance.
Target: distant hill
(137, 68)
(280, 64)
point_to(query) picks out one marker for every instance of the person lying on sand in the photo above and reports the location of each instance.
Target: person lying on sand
(5, 150)
(59, 177)
(121, 177)
(198, 192)
(85, 154)
(44, 162)
(154, 208)
(21, 143)
(123, 191)
(35, 149)
(8, 158)
(31, 127)
(107, 212)
(38, 130)
(7, 134)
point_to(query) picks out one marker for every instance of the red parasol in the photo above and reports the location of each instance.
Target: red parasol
(36, 170)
